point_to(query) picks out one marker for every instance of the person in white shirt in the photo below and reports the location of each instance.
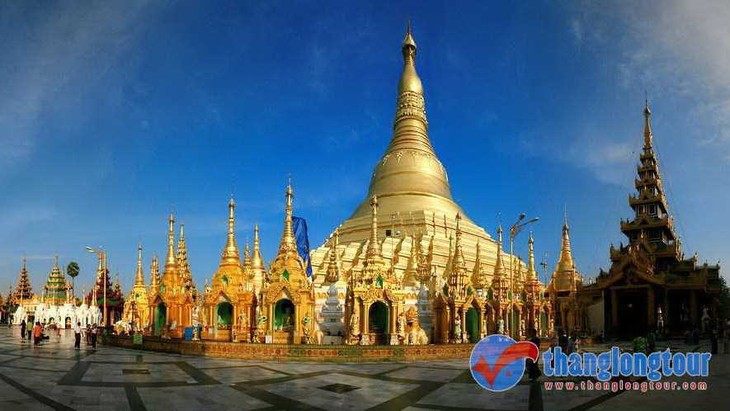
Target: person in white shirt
(77, 336)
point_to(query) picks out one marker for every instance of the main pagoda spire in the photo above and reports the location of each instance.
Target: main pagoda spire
(410, 176)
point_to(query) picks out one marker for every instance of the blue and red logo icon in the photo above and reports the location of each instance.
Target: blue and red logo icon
(498, 362)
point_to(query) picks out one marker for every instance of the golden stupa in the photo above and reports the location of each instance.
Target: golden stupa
(417, 212)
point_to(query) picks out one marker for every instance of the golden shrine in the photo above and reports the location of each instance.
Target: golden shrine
(137, 304)
(173, 299)
(409, 267)
(287, 300)
(229, 302)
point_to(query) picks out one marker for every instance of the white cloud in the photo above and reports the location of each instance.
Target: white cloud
(675, 49)
(49, 51)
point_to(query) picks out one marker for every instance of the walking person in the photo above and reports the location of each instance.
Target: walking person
(22, 330)
(532, 367)
(77, 336)
(93, 336)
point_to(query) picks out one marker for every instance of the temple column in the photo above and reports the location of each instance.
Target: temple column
(366, 318)
(449, 325)
(665, 309)
(480, 327)
(614, 310)
(651, 308)
(298, 325)
(462, 313)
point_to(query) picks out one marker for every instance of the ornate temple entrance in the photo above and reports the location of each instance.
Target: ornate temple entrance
(632, 313)
(160, 318)
(67, 322)
(284, 321)
(378, 326)
(472, 325)
(224, 321)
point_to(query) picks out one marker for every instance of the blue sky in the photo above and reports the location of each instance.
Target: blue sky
(115, 113)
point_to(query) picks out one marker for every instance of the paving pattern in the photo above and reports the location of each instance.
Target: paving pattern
(55, 376)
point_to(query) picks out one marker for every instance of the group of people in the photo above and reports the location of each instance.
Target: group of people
(34, 334)
(37, 335)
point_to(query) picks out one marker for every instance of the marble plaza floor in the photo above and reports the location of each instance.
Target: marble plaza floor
(55, 376)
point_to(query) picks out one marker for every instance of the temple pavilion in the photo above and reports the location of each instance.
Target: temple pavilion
(650, 285)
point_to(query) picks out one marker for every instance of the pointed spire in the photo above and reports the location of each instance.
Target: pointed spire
(373, 250)
(478, 278)
(170, 261)
(647, 125)
(139, 277)
(155, 273)
(531, 273)
(182, 256)
(499, 264)
(458, 279)
(333, 268)
(566, 255)
(288, 243)
(458, 253)
(246, 256)
(230, 254)
(257, 260)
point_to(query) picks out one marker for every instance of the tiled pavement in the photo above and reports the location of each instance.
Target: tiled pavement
(55, 376)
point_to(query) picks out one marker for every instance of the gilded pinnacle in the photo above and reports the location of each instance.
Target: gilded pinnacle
(230, 254)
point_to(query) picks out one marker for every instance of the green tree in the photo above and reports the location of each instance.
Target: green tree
(72, 270)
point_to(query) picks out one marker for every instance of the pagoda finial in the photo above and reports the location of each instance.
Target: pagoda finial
(231, 255)
(333, 268)
(566, 255)
(139, 278)
(373, 250)
(154, 272)
(288, 243)
(647, 125)
(499, 264)
(458, 264)
(531, 273)
(257, 260)
(170, 261)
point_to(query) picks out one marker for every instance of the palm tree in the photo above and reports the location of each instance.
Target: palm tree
(72, 270)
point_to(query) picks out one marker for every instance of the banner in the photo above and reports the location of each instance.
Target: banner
(300, 233)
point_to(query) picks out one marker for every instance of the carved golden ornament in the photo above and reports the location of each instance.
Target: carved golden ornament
(411, 104)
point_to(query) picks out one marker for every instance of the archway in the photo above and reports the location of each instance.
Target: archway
(472, 324)
(224, 312)
(378, 315)
(284, 315)
(160, 318)
(67, 323)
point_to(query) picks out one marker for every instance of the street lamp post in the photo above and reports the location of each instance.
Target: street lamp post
(513, 231)
(102, 258)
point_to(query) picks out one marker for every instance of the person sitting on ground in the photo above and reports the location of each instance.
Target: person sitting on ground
(37, 333)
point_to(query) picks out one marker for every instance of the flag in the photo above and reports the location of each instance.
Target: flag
(300, 233)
